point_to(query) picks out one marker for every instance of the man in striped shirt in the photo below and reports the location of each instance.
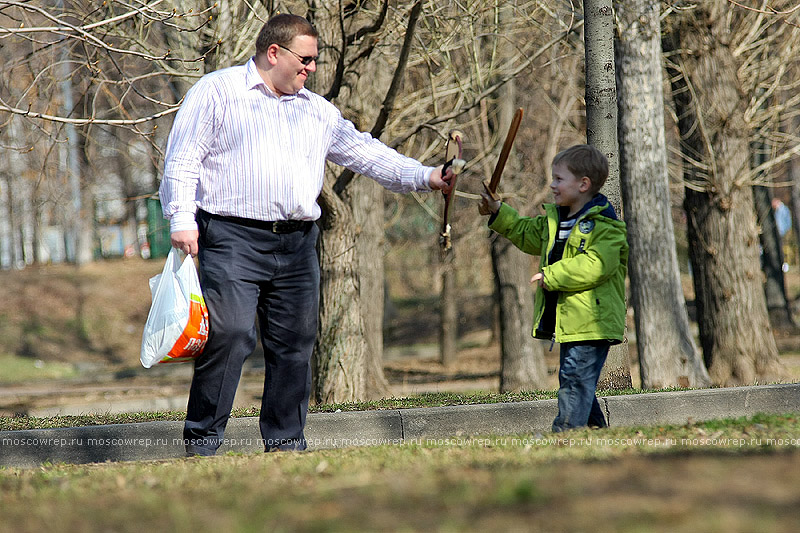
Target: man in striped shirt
(244, 166)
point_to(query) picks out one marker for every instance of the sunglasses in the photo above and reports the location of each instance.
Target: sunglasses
(305, 60)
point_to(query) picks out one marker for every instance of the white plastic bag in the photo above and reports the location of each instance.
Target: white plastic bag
(177, 325)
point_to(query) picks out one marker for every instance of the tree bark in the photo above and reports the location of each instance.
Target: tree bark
(448, 310)
(780, 315)
(668, 355)
(522, 364)
(13, 223)
(348, 353)
(794, 180)
(365, 198)
(36, 228)
(340, 351)
(601, 132)
(793, 177)
(85, 207)
(735, 335)
(129, 187)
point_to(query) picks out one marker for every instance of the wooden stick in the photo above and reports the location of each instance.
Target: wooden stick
(491, 186)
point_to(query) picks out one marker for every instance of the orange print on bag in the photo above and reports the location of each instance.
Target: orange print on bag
(193, 339)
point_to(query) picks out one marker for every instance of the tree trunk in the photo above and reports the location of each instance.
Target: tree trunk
(37, 201)
(82, 217)
(36, 228)
(365, 198)
(668, 355)
(349, 353)
(448, 313)
(794, 180)
(780, 316)
(13, 223)
(129, 187)
(601, 132)
(340, 351)
(735, 335)
(793, 177)
(522, 361)
(76, 218)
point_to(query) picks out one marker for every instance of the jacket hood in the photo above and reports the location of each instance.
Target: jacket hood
(600, 200)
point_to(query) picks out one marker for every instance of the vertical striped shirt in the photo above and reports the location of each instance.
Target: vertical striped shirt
(238, 149)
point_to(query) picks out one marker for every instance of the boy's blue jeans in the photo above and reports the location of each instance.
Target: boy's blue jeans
(579, 370)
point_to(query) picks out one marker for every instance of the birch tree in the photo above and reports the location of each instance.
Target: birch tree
(601, 131)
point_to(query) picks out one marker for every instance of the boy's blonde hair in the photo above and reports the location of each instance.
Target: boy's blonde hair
(585, 160)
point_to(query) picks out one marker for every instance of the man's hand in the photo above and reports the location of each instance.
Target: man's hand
(185, 241)
(437, 182)
(489, 205)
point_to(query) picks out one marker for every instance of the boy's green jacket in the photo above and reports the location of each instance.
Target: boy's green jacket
(590, 276)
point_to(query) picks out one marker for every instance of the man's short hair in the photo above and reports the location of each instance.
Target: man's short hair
(585, 160)
(281, 30)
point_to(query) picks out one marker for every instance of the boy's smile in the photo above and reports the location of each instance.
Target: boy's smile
(569, 190)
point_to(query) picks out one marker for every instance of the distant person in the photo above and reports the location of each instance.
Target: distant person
(783, 217)
(783, 220)
(580, 300)
(244, 166)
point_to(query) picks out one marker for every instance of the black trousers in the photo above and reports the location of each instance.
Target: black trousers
(247, 270)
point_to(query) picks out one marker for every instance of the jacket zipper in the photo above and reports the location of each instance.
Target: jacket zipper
(547, 258)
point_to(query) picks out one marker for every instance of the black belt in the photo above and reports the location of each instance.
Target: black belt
(275, 226)
(289, 226)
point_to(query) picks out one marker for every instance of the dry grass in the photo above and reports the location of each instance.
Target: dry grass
(676, 479)
(94, 316)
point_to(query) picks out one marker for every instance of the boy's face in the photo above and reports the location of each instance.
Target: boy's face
(568, 189)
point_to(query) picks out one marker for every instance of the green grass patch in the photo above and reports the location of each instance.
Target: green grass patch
(436, 399)
(424, 400)
(439, 399)
(696, 477)
(15, 369)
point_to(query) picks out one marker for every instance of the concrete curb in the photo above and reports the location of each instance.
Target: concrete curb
(162, 440)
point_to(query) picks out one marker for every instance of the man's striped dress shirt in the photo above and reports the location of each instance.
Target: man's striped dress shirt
(238, 149)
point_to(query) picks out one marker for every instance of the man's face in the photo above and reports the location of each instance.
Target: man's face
(290, 74)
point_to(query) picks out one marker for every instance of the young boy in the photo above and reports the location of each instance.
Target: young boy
(580, 301)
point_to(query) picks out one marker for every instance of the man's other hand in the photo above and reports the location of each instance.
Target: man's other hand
(185, 241)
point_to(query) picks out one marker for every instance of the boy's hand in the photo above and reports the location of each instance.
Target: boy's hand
(539, 278)
(488, 206)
